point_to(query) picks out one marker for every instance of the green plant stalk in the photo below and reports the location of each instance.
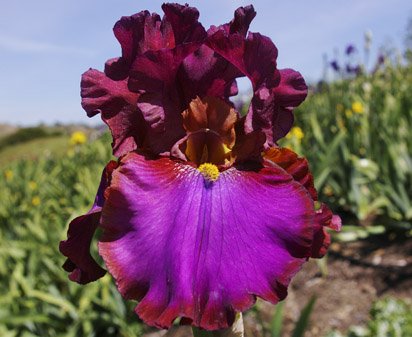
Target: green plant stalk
(277, 321)
(303, 320)
(236, 330)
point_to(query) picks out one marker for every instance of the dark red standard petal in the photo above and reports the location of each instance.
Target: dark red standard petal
(276, 92)
(118, 109)
(271, 110)
(255, 56)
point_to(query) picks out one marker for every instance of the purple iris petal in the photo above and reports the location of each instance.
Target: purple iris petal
(183, 247)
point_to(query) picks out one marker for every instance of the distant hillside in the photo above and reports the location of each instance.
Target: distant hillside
(23, 135)
(7, 129)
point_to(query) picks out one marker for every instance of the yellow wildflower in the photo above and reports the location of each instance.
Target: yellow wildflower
(295, 132)
(8, 174)
(32, 185)
(35, 201)
(78, 138)
(339, 107)
(328, 190)
(357, 107)
(362, 151)
(341, 123)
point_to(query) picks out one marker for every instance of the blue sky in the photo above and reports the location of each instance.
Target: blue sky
(46, 45)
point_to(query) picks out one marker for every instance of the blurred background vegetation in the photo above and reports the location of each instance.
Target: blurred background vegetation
(355, 131)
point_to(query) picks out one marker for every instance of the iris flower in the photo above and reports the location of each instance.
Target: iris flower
(202, 212)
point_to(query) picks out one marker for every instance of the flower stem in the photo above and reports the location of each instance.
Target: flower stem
(236, 330)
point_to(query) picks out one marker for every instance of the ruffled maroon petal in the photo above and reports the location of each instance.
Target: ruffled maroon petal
(131, 32)
(271, 110)
(249, 146)
(80, 264)
(276, 92)
(145, 32)
(324, 219)
(244, 52)
(241, 21)
(206, 73)
(184, 23)
(156, 68)
(118, 109)
(186, 248)
(152, 51)
(263, 114)
(162, 114)
(154, 76)
(154, 73)
(292, 89)
(296, 166)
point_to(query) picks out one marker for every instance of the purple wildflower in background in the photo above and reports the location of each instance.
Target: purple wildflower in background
(202, 212)
(381, 59)
(353, 69)
(335, 65)
(350, 49)
(380, 62)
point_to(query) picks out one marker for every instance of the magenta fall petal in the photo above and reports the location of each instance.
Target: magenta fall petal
(202, 212)
(186, 248)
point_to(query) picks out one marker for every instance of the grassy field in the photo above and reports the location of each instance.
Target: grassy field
(35, 149)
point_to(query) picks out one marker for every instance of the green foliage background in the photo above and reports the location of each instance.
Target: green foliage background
(37, 202)
(362, 160)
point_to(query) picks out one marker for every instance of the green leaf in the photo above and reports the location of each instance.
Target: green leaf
(277, 321)
(303, 320)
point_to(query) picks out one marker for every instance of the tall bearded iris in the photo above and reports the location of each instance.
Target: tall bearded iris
(202, 212)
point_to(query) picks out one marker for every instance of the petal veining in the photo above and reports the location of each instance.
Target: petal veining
(189, 248)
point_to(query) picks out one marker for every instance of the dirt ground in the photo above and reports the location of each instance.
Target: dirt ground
(358, 273)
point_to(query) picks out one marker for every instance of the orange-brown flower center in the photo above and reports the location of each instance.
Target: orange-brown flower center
(209, 123)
